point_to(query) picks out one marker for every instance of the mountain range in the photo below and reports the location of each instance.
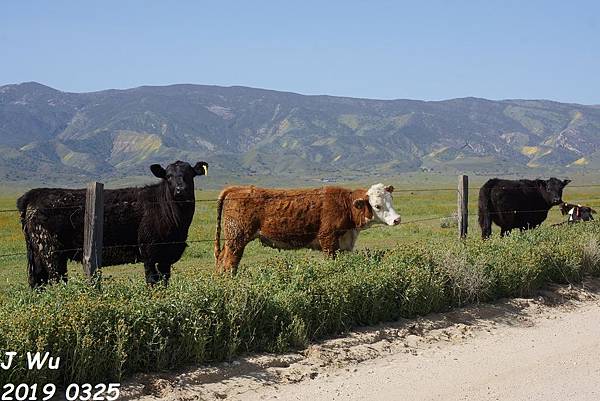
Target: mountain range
(48, 134)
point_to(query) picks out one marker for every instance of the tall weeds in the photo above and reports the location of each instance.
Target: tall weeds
(103, 334)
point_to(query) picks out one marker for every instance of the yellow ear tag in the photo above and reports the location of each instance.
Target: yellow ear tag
(205, 169)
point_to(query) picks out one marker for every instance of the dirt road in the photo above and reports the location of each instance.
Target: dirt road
(544, 348)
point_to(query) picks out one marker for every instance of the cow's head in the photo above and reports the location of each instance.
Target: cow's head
(552, 190)
(586, 212)
(380, 200)
(577, 212)
(179, 177)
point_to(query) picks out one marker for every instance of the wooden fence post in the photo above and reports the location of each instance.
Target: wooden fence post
(93, 228)
(463, 209)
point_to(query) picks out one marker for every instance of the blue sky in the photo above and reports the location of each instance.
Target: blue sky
(376, 49)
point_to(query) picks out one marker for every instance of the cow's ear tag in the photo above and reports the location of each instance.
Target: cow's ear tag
(359, 203)
(201, 168)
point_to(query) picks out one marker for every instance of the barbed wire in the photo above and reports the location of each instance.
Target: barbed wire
(265, 196)
(308, 233)
(278, 196)
(204, 240)
(6, 255)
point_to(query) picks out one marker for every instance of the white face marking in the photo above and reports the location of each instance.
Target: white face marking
(382, 204)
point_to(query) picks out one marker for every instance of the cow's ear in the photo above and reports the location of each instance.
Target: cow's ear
(389, 188)
(593, 211)
(565, 182)
(158, 171)
(359, 203)
(201, 168)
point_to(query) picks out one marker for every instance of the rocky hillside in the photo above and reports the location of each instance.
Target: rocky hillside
(48, 134)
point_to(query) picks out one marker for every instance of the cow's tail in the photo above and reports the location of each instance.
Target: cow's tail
(217, 244)
(32, 271)
(485, 211)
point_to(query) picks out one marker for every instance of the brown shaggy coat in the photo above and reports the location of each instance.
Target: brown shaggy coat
(326, 219)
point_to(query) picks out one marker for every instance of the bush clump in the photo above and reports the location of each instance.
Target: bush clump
(104, 333)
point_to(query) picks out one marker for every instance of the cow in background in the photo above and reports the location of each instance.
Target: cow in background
(577, 212)
(148, 224)
(521, 204)
(326, 219)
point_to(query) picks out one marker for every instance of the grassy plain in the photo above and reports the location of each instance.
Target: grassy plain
(412, 198)
(279, 300)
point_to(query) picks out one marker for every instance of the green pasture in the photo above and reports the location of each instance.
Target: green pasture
(279, 300)
(416, 199)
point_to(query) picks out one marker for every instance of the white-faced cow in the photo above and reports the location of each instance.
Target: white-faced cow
(577, 212)
(327, 219)
(146, 224)
(521, 204)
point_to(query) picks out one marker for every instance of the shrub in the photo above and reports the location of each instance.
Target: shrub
(590, 259)
(103, 333)
(467, 279)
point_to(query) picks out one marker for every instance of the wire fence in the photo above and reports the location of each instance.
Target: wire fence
(262, 197)
(80, 207)
(201, 240)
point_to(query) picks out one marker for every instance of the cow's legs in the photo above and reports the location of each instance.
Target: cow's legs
(38, 271)
(46, 262)
(347, 240)
(164, 269)
(329, 244)
(152, 273)
(504, 232)
(57, 268)
(230, 256)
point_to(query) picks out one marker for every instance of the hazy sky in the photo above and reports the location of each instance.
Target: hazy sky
(418, 49)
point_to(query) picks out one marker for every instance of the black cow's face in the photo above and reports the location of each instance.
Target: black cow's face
(552, 190)
(180, 177)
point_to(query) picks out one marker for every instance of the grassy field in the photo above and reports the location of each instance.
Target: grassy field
(279, 300)
(412, 206)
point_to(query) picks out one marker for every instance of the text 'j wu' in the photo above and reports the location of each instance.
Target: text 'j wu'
(34, 360)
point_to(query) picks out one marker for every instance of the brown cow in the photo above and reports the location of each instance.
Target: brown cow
(327, 219)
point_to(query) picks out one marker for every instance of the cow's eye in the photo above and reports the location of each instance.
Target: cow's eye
(378, 207)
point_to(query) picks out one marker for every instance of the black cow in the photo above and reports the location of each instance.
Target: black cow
(521, 204)
(148, 224)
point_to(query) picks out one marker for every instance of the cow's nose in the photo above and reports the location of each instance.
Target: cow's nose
(397, 221)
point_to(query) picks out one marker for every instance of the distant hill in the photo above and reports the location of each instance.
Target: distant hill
(49, 134)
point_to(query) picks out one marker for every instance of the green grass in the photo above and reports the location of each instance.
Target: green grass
(102, 334)
(279, 300)
(411, 206)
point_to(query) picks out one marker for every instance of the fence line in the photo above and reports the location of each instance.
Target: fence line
(204, 240)
(208, 239)
(461, 215)
(508, 211)
(277, 196)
